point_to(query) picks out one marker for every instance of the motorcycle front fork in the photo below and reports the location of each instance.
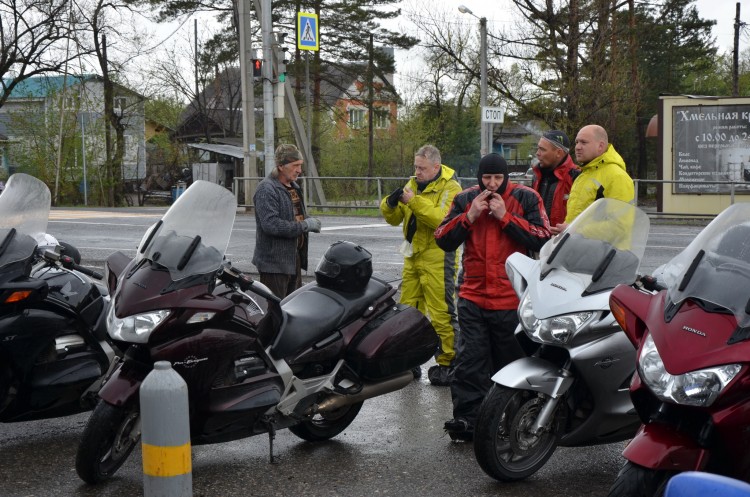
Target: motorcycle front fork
(547, 412)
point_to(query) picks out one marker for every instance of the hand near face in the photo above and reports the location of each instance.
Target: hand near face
(480, 204)
(407, 195)
(497, 206)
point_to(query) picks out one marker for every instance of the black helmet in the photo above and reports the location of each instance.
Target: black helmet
(345, 266)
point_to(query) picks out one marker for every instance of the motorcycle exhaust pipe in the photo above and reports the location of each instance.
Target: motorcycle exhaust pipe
(368, 391)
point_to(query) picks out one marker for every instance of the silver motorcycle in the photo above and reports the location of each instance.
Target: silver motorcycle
(573, 389)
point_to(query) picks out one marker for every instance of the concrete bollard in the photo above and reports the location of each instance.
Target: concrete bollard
(165, 434)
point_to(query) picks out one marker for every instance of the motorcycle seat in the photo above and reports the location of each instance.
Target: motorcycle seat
(313, 313)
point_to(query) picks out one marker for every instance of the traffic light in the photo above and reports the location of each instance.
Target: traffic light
(257, 66)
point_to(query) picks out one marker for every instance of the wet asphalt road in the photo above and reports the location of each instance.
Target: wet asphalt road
(395, 447)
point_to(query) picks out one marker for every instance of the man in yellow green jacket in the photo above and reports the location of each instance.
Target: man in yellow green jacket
(429, 274)
(603, 174)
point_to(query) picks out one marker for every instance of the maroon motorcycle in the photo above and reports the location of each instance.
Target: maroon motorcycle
(253, 364)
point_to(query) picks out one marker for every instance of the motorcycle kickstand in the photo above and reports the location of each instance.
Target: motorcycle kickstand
(271, 435)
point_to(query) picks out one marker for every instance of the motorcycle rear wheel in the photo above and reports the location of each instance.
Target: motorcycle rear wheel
(326, 425)
(107, 441)
(636, 481)
(503, 445)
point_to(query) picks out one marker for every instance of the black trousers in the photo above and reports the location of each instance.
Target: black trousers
(486, 344)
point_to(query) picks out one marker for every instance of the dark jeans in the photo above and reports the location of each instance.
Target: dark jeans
(485, 345)
(282, 284)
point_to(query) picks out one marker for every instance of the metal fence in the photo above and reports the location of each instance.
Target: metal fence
(344, 195)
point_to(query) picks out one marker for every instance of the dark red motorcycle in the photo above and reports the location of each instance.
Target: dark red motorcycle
(691, 388)
(306, 363)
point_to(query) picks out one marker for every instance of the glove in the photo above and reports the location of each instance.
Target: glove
(311, 224)
(392, 200)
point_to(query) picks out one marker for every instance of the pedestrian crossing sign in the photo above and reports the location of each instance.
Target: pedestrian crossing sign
(307, 31)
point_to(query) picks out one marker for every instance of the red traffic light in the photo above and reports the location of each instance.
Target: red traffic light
(257, 66)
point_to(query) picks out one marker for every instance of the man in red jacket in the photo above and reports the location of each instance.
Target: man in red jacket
(554, 175)
(493, 220)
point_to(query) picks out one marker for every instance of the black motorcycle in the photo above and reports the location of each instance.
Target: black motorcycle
(53, 340)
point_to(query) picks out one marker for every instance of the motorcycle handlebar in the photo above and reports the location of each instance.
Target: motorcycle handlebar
(67, 263)
(245, 283)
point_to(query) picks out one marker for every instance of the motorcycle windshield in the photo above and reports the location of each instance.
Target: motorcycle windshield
(604, 245)
(24, 207)
(715, 267)
(193, 235)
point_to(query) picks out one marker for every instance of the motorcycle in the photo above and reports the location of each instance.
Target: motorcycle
(253, 364)
(691, 327)
(573, 388)
(53, 339)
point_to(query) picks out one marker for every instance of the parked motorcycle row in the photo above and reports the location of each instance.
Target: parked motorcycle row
(660, 361)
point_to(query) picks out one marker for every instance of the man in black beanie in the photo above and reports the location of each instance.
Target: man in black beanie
(492, 220)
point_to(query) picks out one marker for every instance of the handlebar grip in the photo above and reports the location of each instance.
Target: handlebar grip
(88, 272)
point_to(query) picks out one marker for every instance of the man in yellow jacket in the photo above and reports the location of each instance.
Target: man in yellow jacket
(429, 274)
(603, 174)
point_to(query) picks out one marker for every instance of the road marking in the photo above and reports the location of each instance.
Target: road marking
(60, 214)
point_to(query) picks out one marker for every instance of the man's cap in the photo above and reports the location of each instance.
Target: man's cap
(287, 153)
(558, 139)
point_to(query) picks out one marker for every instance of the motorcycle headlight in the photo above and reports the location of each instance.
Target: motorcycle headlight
(134, 329)
(697, 388)
(555, 330)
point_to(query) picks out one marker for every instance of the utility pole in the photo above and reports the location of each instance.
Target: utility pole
(736, 57)
(268, 131)
(249, 165)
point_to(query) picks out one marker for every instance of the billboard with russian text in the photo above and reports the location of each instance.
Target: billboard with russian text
(711, 145)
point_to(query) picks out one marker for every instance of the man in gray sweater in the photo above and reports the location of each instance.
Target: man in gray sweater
(282, 225)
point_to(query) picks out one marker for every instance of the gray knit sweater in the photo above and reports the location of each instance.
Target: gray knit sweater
(276, 229)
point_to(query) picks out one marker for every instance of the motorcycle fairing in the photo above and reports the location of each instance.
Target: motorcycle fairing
(660, 447)
(534, 374)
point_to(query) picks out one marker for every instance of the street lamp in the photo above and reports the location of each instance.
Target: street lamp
(484, 148)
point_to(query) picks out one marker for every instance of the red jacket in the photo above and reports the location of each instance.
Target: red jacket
(565, 174)
(489, 241)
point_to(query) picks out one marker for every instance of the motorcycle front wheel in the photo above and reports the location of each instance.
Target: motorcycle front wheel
(108, 439)
(636, 481)
(503, 444)
(328, 424)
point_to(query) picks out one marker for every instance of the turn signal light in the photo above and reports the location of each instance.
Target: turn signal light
(18, 296)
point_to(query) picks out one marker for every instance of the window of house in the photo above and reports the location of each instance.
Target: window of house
(120, 104)
(356, 118)
(382, 119)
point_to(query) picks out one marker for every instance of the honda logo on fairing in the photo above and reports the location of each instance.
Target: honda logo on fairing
(693, 330)
(558, 286)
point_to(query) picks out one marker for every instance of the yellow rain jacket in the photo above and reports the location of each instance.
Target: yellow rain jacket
(429, 274)
(603, 177)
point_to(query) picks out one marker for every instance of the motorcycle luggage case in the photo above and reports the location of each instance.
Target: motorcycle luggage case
(398, 340)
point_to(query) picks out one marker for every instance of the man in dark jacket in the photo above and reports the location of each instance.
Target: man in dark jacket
(554, 175)
(493, 220)
(282, 224)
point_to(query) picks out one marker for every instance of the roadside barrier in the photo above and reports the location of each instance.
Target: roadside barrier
(165, 434)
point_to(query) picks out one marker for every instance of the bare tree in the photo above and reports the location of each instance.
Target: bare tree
(33, 40)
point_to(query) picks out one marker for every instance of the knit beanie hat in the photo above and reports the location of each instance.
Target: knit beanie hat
(558, 139)
(286, 153)
(493, 164)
